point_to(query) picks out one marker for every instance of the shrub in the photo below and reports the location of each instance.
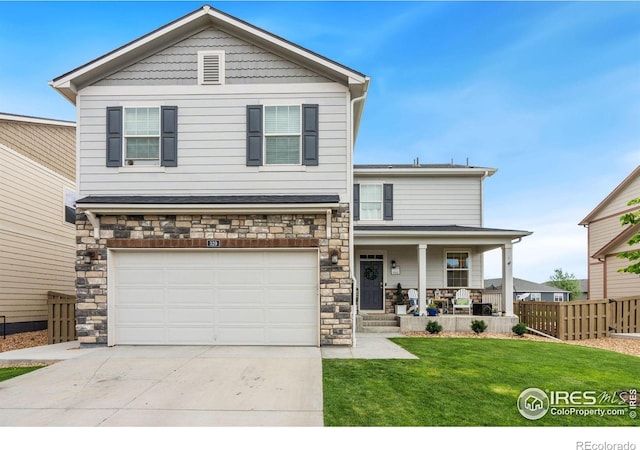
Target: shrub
(478, 326)
(519, 329)
(434, 327)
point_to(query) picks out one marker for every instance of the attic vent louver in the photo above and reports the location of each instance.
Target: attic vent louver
(211, 67)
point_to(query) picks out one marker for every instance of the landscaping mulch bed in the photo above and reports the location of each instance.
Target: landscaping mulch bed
(23, 340)
(626, 346)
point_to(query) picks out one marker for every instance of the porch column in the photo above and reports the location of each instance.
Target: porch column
(422, 277)
(507, 278)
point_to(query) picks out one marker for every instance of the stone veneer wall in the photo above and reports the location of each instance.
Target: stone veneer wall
(192, 231)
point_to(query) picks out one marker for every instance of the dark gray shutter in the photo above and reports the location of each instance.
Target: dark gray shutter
(169, 132)
(310, 135)
(387, 201)
(356, 202)
(254, 135)
(114, 136)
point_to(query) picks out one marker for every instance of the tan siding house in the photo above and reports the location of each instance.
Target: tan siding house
(607, 239)
(37, 233)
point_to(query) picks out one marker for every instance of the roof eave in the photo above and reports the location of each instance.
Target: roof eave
(609, 197)
(476, 171)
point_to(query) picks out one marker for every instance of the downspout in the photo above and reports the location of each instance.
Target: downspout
(350, 189)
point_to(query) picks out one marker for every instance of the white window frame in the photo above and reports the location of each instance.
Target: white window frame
(468, 269)
(381, 201)
(536, 297)
(558, 297)
(143, 161)
(66, 192)
(221, 67)
(266, 135)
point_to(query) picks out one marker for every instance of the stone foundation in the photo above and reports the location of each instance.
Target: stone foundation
(234, 231)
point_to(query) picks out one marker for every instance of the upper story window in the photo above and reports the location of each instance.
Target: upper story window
(371, 202)
(458, 268)
(142, 135)
(558, 297)
(282, 134)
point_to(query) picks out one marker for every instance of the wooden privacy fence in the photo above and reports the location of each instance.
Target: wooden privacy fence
(583, 319)
(61, 323)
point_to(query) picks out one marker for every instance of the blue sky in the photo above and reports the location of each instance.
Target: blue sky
(547, 92)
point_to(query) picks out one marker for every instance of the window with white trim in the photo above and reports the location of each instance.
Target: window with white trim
(141, 131)
(558, 297)
(69, 206)
(371, 202)
(458, 268)
(282, 131)
(536, 296)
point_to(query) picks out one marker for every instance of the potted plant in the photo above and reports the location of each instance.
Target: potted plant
(432, 309)
(494, 311)
(401, 307)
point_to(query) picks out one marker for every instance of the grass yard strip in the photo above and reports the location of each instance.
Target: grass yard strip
(471, 382)
(11, 372)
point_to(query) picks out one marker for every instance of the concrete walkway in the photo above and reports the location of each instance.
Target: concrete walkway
(369, 346)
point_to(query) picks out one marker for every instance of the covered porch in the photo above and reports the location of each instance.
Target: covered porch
(435, 261)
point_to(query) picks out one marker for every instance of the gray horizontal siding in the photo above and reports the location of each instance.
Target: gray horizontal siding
(432, 200)
(211, 148)
(178, 65)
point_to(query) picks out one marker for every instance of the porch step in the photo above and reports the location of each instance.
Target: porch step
(380, 323)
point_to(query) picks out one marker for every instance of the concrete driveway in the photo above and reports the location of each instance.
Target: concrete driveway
(170, 386)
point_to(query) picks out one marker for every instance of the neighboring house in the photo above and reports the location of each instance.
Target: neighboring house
(37, 215)
(529, 291)
(584, 289)
(607, 239)
(216, 195)
(427, 221)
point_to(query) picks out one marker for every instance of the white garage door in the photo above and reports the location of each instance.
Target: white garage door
(220, 297)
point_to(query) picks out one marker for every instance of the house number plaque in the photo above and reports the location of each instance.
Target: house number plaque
(213, 243)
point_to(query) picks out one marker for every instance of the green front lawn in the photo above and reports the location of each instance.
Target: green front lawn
(471, 382)
(10, 372)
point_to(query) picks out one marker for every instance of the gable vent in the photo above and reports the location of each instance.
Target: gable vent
(211, 67)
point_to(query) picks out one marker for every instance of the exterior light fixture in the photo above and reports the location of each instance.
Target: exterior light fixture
(334, 256)
(393, 264)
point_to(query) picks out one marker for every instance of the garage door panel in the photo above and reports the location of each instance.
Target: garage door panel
(237, 297)
(195, 316)
(140, 277)
(189, 296)
(188, 276)
(191, 335)
(140, 296)
(289, 316)
(140, 316)
(239, 277)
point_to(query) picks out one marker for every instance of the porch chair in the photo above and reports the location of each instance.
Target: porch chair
(413, 301)
(462, 300)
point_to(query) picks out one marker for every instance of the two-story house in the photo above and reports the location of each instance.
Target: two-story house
(37, 218)
(607, 239)
(217, 199)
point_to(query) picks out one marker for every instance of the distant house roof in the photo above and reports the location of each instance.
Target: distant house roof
(520, 285)
(609, 197)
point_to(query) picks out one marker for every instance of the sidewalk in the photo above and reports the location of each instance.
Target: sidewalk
(45, 354)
